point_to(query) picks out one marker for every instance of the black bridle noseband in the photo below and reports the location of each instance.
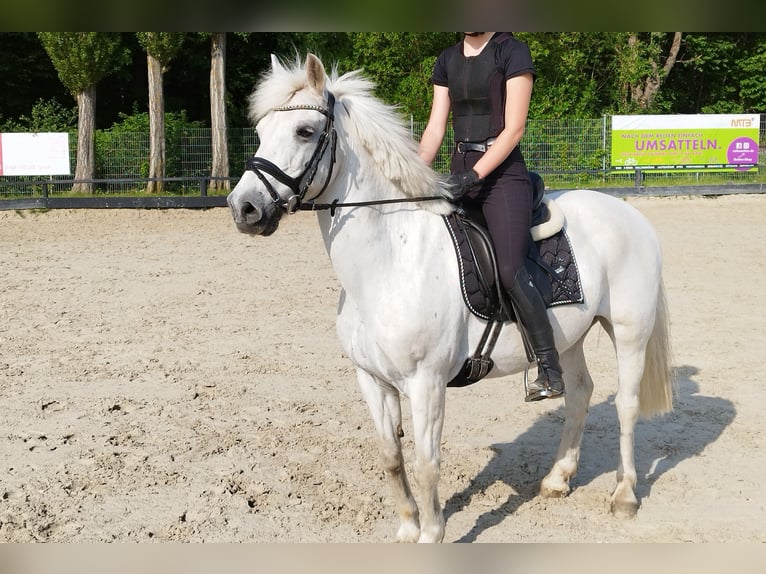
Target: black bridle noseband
(299, 185)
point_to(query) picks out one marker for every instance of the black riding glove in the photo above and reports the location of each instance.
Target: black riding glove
(458, 184)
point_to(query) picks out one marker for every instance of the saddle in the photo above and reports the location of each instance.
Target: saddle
(550, 262)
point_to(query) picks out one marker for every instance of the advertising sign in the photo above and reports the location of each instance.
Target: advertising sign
(699, 142)
(44, 153)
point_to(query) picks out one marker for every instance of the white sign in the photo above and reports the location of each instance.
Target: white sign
(44, 153)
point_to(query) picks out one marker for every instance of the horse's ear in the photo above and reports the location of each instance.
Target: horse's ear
(315, 73)
(275, 63)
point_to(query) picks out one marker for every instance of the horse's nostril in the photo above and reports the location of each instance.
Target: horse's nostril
(250, 213)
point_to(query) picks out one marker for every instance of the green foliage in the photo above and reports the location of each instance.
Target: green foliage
(563, 145)
(716, 73)
(163, 46)
(126, 145)
(400, 63)
(752, 85)
(82, 59)
(580, 75)
(46, 116)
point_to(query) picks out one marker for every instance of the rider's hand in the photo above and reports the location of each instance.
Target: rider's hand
(458, 184)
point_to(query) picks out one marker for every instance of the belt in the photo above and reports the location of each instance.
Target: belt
(463, 147)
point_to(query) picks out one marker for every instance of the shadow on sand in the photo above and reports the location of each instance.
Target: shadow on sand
(660, 445)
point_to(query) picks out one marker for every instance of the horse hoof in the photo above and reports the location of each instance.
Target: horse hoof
(549, 492)
(408, 533)
(622, 509)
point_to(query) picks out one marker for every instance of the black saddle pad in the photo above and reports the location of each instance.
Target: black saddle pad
(551, 263)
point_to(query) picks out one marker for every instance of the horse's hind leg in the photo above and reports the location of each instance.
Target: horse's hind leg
(579, 388)
(385, 407)
(631, 353)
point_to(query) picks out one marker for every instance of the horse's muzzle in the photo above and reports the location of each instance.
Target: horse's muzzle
(253, 220)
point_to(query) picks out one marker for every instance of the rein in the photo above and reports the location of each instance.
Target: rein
(335, 204)
(299, 185)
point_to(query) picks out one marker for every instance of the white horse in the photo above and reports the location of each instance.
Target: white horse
(328, 144)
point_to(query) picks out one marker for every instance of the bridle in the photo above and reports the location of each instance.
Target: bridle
(299, 185)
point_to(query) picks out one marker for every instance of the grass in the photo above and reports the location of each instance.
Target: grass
(675, 179)
(564, 180)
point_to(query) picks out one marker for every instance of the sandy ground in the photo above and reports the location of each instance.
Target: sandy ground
(164, 378)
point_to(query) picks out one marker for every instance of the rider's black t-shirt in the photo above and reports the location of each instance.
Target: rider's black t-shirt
(477, 84)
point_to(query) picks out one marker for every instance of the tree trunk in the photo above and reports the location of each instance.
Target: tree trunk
(86, 119)
(644, 93)
(220, 167)
(156, 125)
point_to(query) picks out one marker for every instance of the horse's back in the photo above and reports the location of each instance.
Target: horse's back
(593, 204)
(609, 224)
(616, 247)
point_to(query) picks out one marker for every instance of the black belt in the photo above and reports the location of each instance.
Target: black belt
(463, 147)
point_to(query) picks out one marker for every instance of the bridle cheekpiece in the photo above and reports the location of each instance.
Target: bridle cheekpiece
(300, 185)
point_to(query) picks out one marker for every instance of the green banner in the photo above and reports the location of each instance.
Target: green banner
(710, 142)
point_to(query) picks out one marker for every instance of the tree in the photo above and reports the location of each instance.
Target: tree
(219, 131)
(400, 64)
(28, 75)
(574, 73)
(161, 48)
(752, 87)
(589, 74)
(720, 72)
(646, 61)
(82, 59)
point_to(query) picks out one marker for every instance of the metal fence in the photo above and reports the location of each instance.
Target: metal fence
(567, 152)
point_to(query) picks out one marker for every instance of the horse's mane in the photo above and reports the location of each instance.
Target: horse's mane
(370, 124)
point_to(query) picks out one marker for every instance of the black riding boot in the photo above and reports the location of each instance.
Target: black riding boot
(533, 319)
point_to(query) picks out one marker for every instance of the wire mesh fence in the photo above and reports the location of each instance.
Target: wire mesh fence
(567, 152)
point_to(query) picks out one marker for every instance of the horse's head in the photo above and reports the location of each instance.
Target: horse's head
(294, 161)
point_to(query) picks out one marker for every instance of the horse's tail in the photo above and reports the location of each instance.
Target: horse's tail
(657, 384)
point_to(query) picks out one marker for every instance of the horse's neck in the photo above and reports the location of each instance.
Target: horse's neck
(375, 244)
(379, 244)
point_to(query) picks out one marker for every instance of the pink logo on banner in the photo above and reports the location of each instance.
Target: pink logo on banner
(743, 150)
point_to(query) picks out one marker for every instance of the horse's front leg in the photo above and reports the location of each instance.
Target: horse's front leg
(427, 402)
(385, 407)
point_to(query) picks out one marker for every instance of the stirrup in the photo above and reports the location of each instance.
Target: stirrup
(537, 392)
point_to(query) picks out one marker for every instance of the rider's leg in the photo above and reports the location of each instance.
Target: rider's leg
(533, 316)
(507, 207)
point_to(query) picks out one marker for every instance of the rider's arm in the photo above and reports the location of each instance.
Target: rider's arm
(433, 135)
(518, 96)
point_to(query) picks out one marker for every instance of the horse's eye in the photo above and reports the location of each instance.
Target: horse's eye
(304, 132)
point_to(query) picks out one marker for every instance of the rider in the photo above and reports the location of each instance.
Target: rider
(486, 81)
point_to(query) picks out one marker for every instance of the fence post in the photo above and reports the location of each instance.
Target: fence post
(639, 176)
(203, 187)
